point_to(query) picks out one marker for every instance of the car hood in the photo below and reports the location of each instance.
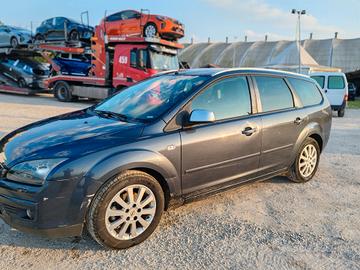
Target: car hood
(71, 135)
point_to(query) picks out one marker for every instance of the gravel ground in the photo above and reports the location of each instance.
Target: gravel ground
(270, 225)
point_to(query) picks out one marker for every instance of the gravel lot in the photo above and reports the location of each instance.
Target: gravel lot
(270, 225)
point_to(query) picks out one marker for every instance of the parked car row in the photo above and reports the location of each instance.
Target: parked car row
(125, 23)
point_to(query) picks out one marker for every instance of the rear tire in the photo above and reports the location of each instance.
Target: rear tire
(62, 92)
(307, 157)
(118, 217)
(341, 112)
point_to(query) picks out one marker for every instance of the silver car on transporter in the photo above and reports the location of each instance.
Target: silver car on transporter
(115, 167)
(13, 37)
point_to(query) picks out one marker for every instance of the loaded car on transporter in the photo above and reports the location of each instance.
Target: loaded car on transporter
(115, 167)
(117, 62)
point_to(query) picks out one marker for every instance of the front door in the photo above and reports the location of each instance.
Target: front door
(130, 23)
(229, 148)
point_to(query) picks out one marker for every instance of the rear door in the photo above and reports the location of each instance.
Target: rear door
(336, 89)
(227, 150)
(282, 122)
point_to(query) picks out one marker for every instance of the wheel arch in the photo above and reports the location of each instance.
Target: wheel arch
(154, 164)
(312, 130)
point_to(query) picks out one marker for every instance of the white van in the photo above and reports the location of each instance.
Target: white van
(335, 86)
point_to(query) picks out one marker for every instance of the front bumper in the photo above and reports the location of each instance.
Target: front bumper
(49, 210)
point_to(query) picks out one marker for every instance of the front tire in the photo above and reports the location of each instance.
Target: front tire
(14, 43)
(74, 36)
(126, 210)
(22, 83)
(306, 163)
(150, 30)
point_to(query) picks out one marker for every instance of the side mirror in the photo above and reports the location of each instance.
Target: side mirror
(201, 117)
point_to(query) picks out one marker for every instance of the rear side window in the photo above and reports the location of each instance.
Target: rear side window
(307, 91)
(336, 82)
(274, 93)
(228, 98)
(320, 80)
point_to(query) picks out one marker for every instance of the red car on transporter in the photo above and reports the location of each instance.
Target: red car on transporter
(133, 23)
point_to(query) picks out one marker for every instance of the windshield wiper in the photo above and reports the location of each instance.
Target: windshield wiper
(110, 114)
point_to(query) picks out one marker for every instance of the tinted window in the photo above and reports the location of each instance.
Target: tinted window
(128, 15)
(320, 80)
(114, 17)
(307, 91)
(60, 21)
(274, 93)
(336, 82)
(227, 99)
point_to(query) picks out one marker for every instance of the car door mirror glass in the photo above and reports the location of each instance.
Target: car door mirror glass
(201, 117)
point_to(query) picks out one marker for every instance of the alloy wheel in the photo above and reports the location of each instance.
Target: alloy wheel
(308, 160)
(130, 212)
(150, 31)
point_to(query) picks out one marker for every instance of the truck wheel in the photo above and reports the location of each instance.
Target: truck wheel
(150, 30)
(62, 92)
(126, 210)
(341, 112)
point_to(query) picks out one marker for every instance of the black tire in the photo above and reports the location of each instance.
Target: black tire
(14, 42)
(22, 83)
(62, 92)
(74, 36)
(294, 173)
(39, 38)
(341, 112)
(96, 222)
(150, 33)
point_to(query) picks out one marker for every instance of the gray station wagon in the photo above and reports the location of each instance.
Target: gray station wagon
(115, 167)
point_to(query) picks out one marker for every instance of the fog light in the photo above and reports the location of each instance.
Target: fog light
(29, 214)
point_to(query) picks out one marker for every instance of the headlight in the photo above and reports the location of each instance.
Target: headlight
(33, 172)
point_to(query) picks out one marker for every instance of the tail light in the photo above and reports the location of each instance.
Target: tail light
(346, 97)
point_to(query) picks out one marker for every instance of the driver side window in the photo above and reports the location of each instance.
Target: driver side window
(228, 98)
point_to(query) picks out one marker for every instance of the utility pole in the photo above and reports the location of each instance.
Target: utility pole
(299, 13)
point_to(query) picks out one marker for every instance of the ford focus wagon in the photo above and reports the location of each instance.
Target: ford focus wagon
(113, 168)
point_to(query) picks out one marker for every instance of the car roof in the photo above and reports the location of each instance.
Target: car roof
(319, 73)
(228, 71)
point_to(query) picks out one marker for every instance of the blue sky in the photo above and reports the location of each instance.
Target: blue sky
(208, 18)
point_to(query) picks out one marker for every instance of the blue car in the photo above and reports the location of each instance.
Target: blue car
(61, 28)
(73, 64)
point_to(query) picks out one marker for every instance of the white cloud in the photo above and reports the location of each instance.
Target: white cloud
(258, 11)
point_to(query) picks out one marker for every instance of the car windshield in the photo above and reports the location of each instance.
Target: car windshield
(162, 61)
(150, 99)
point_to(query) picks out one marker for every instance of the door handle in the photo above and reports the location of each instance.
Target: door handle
(248, 131)
(298, 121)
